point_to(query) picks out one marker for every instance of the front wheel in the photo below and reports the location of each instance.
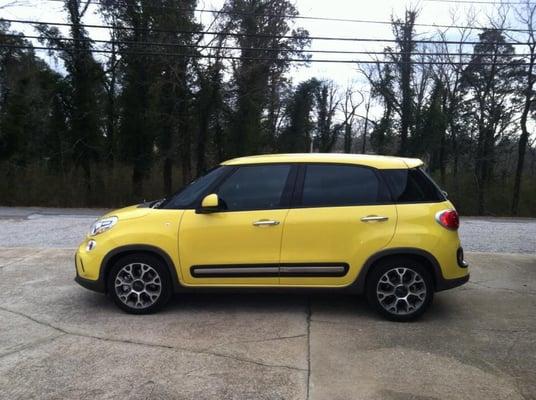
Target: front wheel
(139, 284)
(400, 288)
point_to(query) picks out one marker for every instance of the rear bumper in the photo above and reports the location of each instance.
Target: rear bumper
(444, 284)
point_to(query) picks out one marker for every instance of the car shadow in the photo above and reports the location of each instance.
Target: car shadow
(333, 305)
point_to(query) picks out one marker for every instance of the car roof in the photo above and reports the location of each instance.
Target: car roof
(381, 162)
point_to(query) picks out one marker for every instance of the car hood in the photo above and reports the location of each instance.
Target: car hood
(129, 212)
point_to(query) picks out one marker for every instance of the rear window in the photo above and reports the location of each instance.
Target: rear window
(412, 186)
(340, 185)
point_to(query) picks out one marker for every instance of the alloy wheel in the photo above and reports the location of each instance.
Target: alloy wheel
(401, 291)
(138, 285)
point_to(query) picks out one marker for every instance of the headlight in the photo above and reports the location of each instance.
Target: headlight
(102, 225)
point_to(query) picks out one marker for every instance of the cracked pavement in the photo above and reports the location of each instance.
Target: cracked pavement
(60, 341)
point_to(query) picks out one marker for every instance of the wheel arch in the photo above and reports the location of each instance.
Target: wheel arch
(422, 256)
(111, 258)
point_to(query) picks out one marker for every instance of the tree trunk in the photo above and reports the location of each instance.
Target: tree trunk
(137, 182)
(365, 128)
(168, 175)
(186, 161)
(347, 138)
(442, 161)
(524, 137)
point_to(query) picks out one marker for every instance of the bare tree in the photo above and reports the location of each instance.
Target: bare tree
(349, 107)
(449, 71)
(327, 103)
(525, 15)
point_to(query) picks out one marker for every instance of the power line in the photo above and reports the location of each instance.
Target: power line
(197, 55)
(497, 3)
(237, 34)
(303, 17)
(194, 46)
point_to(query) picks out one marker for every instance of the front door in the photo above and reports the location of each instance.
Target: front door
(342, 216)
(239, 246)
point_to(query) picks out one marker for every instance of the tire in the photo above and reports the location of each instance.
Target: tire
(390, 290)
(139, 283)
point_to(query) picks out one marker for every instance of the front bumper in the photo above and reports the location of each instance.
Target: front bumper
(83, 276)
(96, 286)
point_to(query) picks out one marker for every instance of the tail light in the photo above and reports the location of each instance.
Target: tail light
(448, 219)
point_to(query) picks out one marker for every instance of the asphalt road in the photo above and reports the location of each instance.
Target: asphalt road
(58, 340)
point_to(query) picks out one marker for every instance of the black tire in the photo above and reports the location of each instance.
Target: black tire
(151, 296)
(393, 306)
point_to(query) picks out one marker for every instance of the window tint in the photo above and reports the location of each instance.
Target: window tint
(191, 193)
(255, 187)
(412, 186)
(339, 185)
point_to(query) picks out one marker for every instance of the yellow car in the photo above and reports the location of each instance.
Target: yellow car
(373, 225)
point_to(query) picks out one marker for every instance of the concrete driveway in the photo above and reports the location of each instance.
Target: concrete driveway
(58, 340)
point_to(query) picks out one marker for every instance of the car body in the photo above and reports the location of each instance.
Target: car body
(314, 221)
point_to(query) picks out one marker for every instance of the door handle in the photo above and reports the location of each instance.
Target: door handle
(265, 222)
(372, 218)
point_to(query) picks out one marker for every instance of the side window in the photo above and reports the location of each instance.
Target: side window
(254, 187)
(412, 186)
(340, 185)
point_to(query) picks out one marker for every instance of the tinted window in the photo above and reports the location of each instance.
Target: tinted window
(339, 185)
(255, 187)
(412, 186)
(194, 190)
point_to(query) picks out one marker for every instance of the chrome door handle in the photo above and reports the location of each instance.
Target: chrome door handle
(265, 222)
(371, 218)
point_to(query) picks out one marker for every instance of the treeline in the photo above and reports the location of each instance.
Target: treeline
(165, 98)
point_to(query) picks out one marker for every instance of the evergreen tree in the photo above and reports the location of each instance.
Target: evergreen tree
(296, 136)
(260, 25)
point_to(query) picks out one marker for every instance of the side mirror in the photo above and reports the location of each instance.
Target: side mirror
(209, 204)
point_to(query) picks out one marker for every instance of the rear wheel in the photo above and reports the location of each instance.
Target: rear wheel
(139, 283)
(400, 288)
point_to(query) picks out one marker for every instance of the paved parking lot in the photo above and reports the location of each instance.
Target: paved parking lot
(58, 340)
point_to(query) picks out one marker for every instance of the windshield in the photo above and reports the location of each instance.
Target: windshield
(185, 197)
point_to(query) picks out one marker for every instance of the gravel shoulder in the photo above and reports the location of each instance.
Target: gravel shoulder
(65, 228)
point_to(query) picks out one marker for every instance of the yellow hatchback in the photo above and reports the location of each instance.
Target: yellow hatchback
(371, 225)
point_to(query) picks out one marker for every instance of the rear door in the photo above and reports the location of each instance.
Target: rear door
(341, 217)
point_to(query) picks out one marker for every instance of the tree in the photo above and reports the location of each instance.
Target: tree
(449, 71)
(27, 86)
(349, 108)
(209, 103)
(326, 103)
(382, 88)
(526, 16)
(85, 87)
(430, 136)
(489, 83)
(110, 83)
(296, 136)
(136, 133)
(404, 36)
(266, 41)
(174, 25)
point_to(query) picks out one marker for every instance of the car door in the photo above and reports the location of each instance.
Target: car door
(341, 217)
(239, 246)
